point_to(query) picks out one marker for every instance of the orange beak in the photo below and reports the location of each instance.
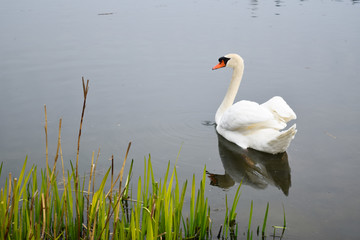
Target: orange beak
(220, 65)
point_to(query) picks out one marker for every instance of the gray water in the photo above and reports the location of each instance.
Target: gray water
(149, 65)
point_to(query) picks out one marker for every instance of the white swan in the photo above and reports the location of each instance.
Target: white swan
(248, 124)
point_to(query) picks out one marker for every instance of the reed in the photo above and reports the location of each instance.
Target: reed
(66, 206)
(282, 228)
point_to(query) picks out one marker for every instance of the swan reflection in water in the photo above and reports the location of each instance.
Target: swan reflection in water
(254, 168)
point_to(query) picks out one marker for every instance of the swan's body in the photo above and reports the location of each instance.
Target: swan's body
(248, 124)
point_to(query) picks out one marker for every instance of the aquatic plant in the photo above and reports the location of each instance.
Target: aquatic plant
(71, 207)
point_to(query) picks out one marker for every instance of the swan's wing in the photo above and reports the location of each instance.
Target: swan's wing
(245, 115)
(280, 108)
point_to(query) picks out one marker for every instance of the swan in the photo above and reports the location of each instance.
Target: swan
(249, 124)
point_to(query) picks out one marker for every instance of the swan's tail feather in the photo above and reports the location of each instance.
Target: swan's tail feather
(282, 142)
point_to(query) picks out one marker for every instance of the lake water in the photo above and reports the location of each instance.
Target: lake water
(149, 65)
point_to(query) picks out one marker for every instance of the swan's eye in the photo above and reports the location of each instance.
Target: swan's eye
(224, 59)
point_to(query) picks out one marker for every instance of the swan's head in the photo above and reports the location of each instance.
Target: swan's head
(231, 60)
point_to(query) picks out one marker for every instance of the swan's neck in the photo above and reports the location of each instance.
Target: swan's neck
(231, 93)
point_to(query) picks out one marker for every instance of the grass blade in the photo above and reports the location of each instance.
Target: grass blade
(265, 220)
(250, 218)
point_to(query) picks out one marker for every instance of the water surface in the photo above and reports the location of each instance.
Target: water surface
(149, 65)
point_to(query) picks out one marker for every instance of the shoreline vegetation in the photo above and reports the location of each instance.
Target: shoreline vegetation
(66, 206)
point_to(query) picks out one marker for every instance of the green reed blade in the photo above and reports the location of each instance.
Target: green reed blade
(97, 196)
(283, 231)
(192, 209)
(265, 220)
(22, 172)
(149, 229)
(232, 215)
(250, 217)
(226, 220)
(126, 188)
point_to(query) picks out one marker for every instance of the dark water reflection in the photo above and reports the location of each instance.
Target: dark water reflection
(253, 168)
